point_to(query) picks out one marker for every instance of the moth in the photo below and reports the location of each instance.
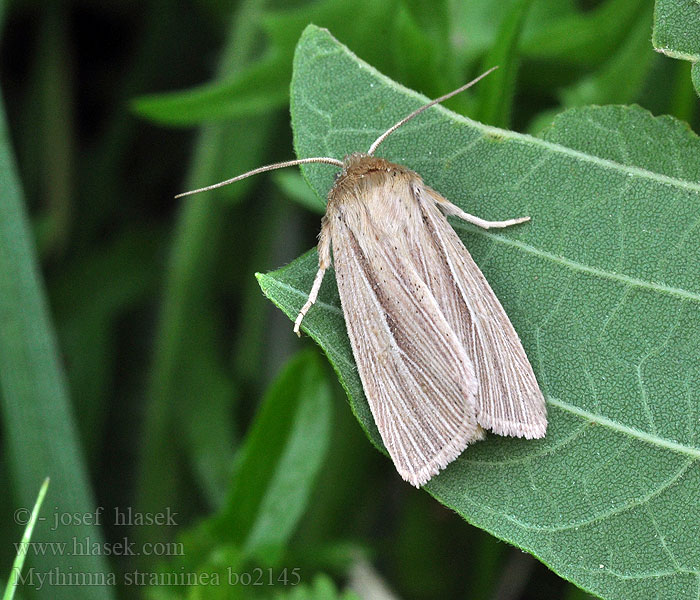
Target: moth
(439, 360)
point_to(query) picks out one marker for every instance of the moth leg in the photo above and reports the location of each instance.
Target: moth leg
(450, 209)
(324, 261)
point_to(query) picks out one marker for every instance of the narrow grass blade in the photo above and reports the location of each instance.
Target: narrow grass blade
(24, 544)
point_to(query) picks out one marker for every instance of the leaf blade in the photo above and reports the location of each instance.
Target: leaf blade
(677, 29)
(612, 228)
(279, 459)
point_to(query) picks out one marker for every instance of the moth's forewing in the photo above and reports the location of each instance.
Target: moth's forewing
(416, 374)
(509, 400)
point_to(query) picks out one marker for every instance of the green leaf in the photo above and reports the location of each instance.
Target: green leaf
(24, 544)
(497, 91)
(408, 51)
(279, 460)
(186, 365)
(39, 432)
(322, 588)
(677, 29)
(90, 295)
(432, 16)
(621, 77)
(580, 38)
(677, 32)
(275, 473)
(475, 24)
(602, 287)
(255, 90)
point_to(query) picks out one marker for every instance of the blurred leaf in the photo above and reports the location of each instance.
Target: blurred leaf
(24, 547)
(89, 295)
(574, 593)
(322, 588)
(256, 89)
(54, 128)
(621, 77)
(496, 91)
(294, 186)
(279, 460)
(603, 291)
(677, 29)
(264, 85)
(187, 365)
(336, 557)
(695, 73)
(367, 582)
(475, 24)
(682, 96)
(204, 553)
(432, 16)
(276, 469)
(39, 430)
(583, 37)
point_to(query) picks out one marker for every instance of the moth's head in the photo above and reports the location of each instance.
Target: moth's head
(359, 164)
(355, 160)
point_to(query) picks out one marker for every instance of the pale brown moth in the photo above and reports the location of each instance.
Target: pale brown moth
(438, 358)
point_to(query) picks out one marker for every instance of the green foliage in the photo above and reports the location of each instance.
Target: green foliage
(321, 589)
(264, 84)
(275, 471)
(613, 335)
(622, 76)
(677, 31)
(496, 92)
(578, 38)
(38, 431)
(150, 308)
(279, 460)
(295, 188)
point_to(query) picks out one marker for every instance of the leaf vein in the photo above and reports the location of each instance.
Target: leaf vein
(591, 158)
(577, 266)
(644, 436)
(606, 514)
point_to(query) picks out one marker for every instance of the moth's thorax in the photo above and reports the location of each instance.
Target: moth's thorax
(375, 198)
(363, 173)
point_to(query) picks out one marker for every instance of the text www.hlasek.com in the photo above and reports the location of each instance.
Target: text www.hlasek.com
(87, 546)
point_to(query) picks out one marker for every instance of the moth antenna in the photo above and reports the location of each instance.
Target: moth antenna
(289, 163)
(418, 111)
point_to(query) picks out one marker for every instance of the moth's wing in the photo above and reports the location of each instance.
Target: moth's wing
(417, 378)
(509, 400)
